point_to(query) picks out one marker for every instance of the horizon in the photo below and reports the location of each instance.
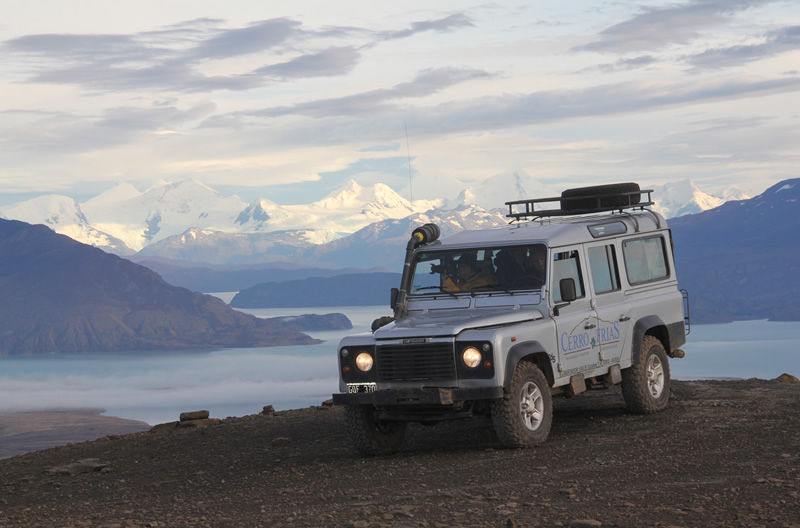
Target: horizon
(290, 102)
(7, 199)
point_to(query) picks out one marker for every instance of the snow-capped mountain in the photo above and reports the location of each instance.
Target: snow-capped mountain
(372, 246)
(684, 197)
(65, 216)
(263, 215)
(352, 207)
(161, 211)
(181, 217)
(494, 192)
(218, 247)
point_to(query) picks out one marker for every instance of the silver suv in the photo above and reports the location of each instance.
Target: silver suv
(577, 292)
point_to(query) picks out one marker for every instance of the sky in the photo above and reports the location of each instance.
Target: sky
(290, 100)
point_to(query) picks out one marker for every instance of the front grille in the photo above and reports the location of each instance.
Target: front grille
(431, 361)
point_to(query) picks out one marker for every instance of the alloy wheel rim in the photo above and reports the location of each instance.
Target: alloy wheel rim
(531, 406)
(655, 376)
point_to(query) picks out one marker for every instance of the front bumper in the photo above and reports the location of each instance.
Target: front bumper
(424, 396)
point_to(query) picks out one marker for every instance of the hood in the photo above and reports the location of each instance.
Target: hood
(453, 322)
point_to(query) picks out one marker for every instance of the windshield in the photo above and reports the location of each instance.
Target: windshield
(480, 269)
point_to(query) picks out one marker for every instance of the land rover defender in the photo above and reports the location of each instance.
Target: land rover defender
(577, 292)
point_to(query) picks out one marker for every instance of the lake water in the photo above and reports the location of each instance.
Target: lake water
(156, 387)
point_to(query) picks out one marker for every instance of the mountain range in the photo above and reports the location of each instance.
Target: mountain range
(738, 261)
(741, 260)
(60, 296)
(192, 222)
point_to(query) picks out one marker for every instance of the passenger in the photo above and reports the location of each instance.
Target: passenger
(523, 266)
(537, 266)
(511, 264)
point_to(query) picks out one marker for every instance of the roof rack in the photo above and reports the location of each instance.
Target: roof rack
(579, 205)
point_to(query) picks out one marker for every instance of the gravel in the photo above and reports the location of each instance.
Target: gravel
(724, 453)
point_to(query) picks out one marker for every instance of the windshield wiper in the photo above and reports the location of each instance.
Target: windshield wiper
(500, 287)
(436, 288)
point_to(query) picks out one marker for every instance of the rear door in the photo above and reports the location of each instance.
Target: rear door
(613, 312)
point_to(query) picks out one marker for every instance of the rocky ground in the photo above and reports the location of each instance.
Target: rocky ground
(724, 453)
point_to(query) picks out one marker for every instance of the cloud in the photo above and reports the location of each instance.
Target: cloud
(425, 83)
(775, 42)
(623, 64)
(448, 23)
(164, 60)
(72, 48)
(327, 63)
(256, 37)
(509, 111)
(71, 133)
(173, 58)
(656, 28)
(392, 147)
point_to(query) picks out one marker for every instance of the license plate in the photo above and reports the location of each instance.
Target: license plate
(355, 388)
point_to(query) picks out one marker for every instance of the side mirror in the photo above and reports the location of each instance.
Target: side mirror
(393, 299)
(567, 287)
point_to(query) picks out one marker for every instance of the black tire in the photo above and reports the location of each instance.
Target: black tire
(646, 384)
(523, 416)
(603, 197)
(371, 436)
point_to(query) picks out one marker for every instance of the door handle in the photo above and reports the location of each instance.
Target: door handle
(590, 326)
(623, 318)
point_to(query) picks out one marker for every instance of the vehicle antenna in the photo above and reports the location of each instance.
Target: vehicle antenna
(410, 180)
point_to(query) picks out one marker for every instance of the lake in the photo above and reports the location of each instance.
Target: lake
(156, 387)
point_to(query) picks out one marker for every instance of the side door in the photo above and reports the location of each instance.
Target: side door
(613, 311)
(576, 323)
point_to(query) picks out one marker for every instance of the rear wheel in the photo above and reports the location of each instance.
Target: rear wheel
(645, 385)
(370, 435)
(522, 417)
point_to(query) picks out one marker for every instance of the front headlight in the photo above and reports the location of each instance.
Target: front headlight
(364, 361)
(471, 357)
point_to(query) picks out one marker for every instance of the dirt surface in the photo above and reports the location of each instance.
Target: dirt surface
(724, 453)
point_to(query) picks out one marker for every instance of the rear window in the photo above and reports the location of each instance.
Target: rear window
(645, 259)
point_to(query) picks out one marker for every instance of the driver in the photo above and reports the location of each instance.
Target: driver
(469, 275)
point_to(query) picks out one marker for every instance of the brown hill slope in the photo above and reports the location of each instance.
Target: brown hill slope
(722, 454)
(58, 295)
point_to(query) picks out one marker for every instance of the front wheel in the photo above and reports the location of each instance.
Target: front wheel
(522, 417)
(370, 435)
(645, 385)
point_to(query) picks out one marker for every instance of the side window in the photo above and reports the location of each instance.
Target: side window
(603, 266)
(645, 259)
(566, 265)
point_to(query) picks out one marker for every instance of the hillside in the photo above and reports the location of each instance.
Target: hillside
(59, 296)
(701, 462)
(741, 260)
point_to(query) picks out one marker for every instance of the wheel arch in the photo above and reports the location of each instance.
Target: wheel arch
(651, 325)
(532, 351)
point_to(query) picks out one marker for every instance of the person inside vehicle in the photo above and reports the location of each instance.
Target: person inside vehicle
(522, 266)
(470, 275)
